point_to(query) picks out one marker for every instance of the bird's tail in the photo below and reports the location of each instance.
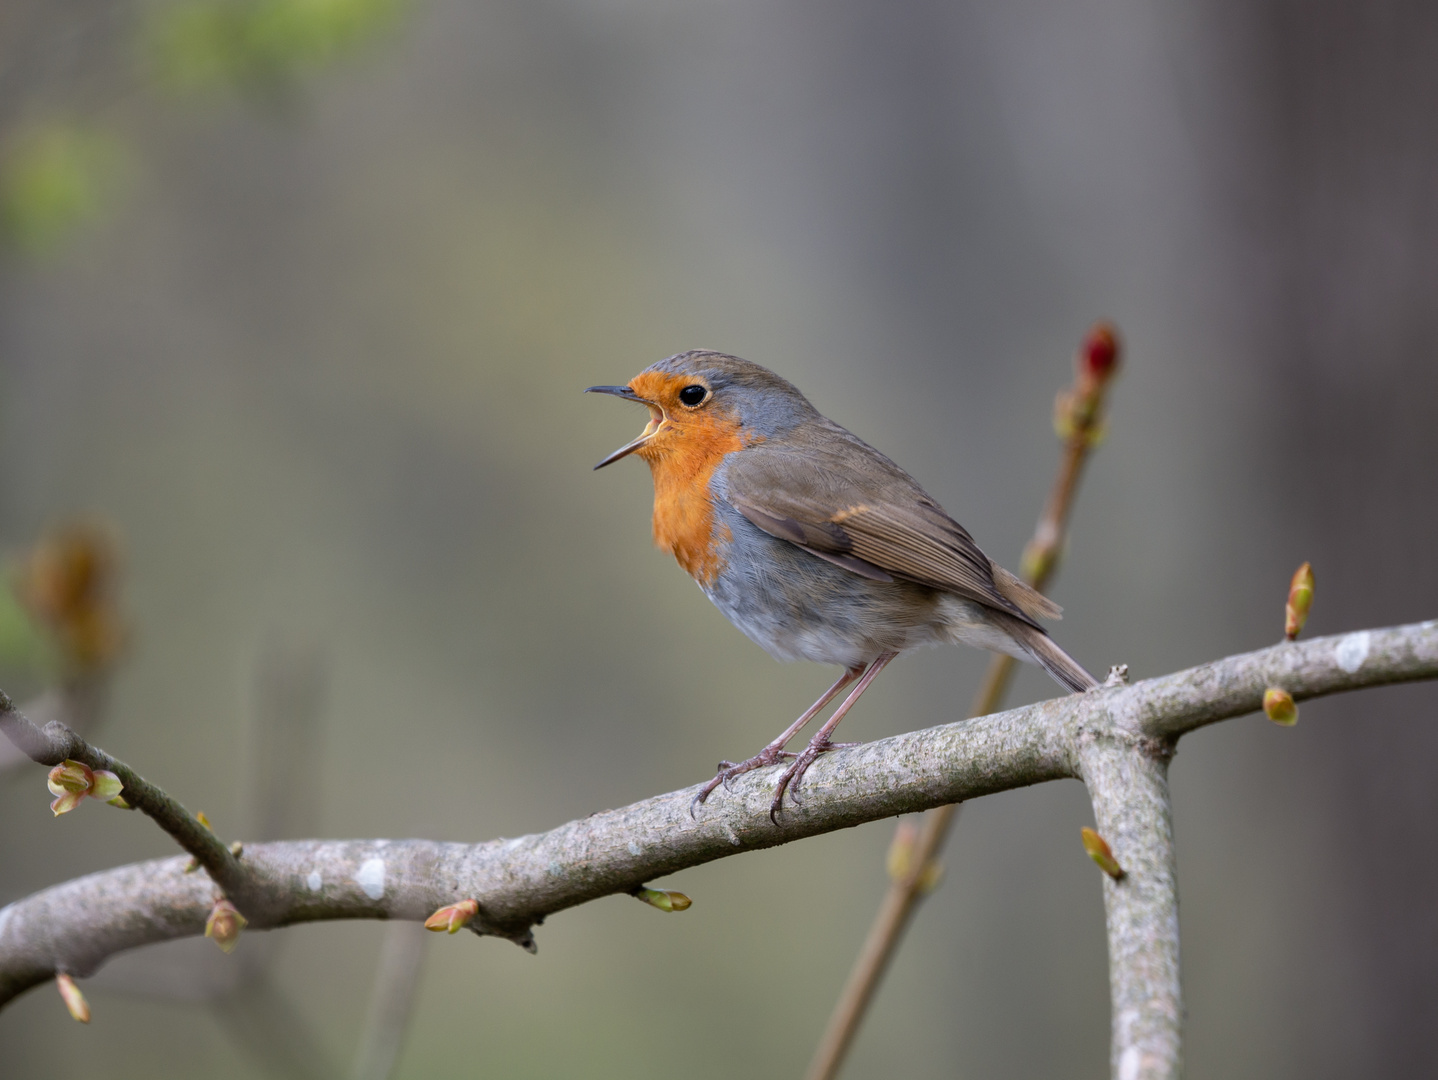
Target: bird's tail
(1041, 648)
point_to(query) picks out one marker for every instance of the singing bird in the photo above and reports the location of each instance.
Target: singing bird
(813, 543)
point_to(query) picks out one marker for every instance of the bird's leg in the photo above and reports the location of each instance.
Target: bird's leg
(728, 770)
(820, 742)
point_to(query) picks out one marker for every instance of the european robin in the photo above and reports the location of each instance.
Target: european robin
(813, 543)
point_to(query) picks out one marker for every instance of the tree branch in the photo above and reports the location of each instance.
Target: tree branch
(76, 926)
(55, 742)
(1079, 418)
(1127, 780)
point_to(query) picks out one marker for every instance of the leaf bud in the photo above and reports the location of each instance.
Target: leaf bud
(74, 1000)
(1099, 851)
(452, 918)
(224, 925)
(70, 781)
(1279, 706)
(663, 899)
(1300, 599)
(1098, 356)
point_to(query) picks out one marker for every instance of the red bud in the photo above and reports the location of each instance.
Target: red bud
(1098, 356)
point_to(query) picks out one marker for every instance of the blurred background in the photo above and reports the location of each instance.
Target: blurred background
(297, 299)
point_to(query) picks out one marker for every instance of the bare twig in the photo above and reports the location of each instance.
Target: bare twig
(897, 908)
(76, 926)
(79, 705)
(1080, 419)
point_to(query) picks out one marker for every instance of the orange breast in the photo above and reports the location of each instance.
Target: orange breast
(683, 460)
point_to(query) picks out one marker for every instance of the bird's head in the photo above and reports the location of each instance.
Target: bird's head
(702, 401)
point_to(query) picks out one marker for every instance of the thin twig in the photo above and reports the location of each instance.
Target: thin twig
(76, 926)
(55, 743)
(79, 704)
(1081, 412)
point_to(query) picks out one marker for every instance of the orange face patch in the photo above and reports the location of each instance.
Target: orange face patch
(682, 457)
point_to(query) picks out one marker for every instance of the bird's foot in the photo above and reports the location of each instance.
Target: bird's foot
(790, 778)
(730, 770)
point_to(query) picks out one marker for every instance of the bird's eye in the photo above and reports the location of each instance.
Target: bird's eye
(693, 396)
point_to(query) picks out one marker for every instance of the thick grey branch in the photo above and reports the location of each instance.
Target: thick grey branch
(74, 927)
(1128, 782)
(1174, 705)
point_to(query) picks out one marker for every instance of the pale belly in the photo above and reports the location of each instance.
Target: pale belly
(796, 606)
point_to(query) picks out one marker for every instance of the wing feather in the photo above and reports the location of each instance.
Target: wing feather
(843, 501)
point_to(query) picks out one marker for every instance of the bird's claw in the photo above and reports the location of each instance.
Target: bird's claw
(729, 771)
(791, 778)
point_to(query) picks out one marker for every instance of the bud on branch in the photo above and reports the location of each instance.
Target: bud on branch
(1279, 706)
(71, 781)
(1300, 599)
(1077, 411)
(74, 1000)
(224, 925)
(452, 918)
(1099, 851)
(663, 899)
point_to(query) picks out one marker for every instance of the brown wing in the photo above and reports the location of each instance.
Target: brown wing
(838, 498)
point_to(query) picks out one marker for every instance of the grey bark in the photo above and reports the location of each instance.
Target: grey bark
(1127, 779)
(1117, 739)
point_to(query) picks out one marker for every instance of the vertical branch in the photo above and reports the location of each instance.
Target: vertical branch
(897, 908)
(1128, 784)
(1078, 417)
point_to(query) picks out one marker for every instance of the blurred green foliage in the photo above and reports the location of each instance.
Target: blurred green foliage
(25, 649)
(204, 45)
(56, 176)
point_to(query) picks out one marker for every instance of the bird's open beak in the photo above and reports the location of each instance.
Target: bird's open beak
(656, 421)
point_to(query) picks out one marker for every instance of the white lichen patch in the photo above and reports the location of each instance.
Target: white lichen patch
(370, 878)
(1130, 1063)
(1351, 651)
(314, 881)
(635, 849)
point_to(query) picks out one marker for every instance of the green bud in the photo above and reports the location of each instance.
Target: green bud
(1099, 851)
(1279, 706)
(224, 925)
(663, 899)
